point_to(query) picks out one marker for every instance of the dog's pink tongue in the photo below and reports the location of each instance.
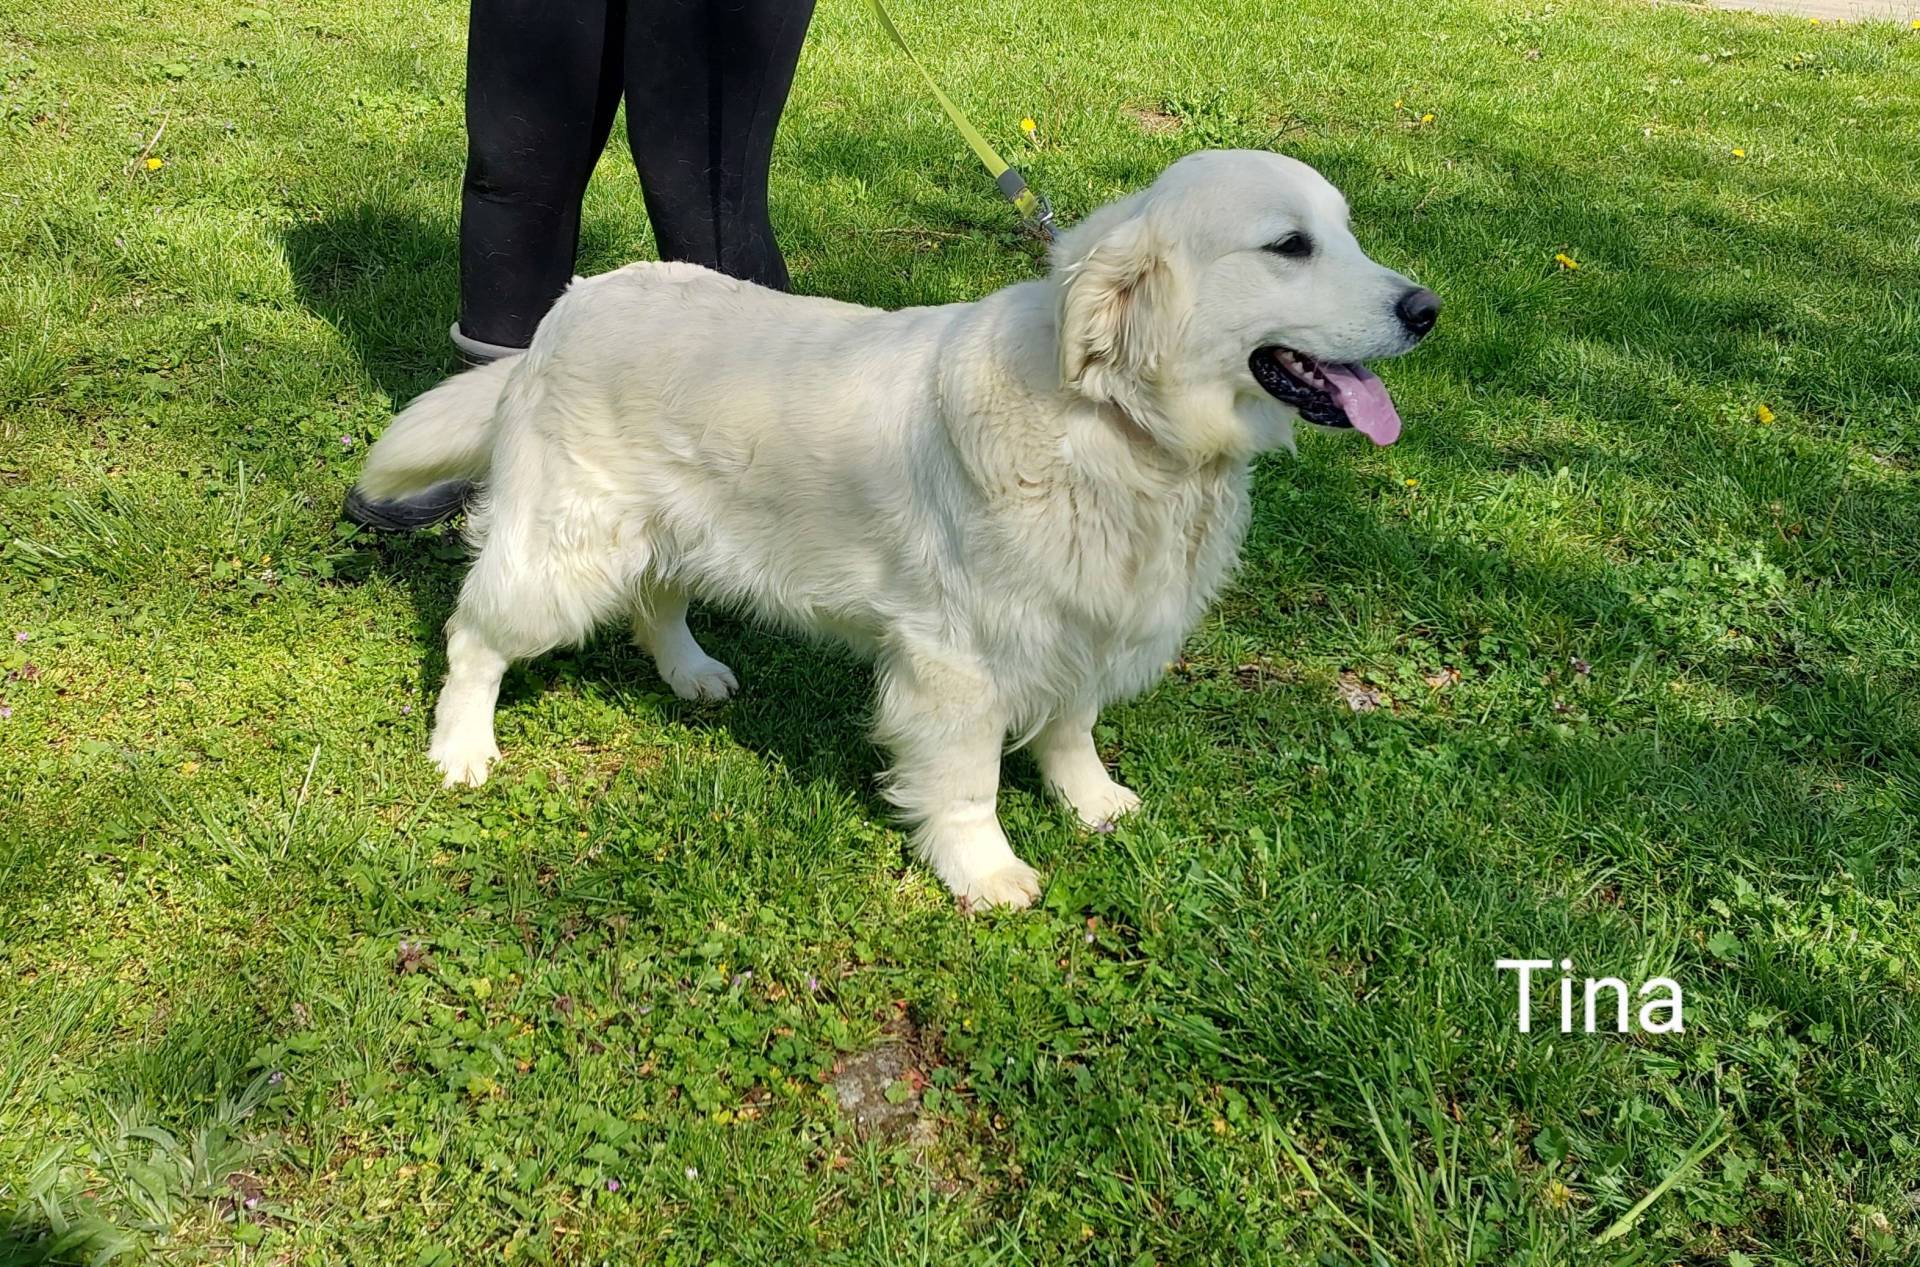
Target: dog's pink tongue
(1364, 397)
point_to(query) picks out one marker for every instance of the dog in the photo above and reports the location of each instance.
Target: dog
(1018, 509)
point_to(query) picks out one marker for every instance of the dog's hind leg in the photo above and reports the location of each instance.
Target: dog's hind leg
(660, 625)
(463, 745)
(529, 591)
(939, 717)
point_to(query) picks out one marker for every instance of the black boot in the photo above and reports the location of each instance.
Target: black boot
(408, 514)
(443, 500)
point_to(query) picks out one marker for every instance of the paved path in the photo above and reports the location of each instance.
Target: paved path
(1829, 10)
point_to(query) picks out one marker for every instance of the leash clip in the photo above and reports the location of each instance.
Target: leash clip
(1040, 223)
(1036, 213)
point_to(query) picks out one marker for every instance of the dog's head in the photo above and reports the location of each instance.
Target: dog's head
(1228, 299)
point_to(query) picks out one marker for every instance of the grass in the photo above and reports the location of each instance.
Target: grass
(1635, 599)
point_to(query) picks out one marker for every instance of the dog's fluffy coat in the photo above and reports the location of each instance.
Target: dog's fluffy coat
(1018, 508)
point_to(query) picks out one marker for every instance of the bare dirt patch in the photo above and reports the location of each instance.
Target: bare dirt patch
(880, 1089)
(1153, 120)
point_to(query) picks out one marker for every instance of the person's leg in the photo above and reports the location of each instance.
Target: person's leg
(706, 82)
(543, 81)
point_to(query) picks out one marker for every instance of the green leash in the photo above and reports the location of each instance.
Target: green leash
(1034, 208)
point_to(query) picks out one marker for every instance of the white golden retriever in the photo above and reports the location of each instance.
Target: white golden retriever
(1018, 508)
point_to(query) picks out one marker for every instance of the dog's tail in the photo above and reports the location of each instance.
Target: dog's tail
(446, 434)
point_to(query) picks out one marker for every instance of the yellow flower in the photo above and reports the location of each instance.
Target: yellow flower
(1401, 101)
(1411, 483)
(1739, 153)
(188, 767)
(1028, 126)
(155, 164)
(1427, 118)
(1566, 261)
(1764, 414)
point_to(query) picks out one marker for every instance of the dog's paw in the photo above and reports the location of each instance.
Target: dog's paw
(1097, 809)
(1012, 887)
(464, 759)
(702, 679)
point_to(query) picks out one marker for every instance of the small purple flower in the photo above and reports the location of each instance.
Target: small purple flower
(406, 710)
(346, 442)
(5, 712)
(813, 984)
(277, 1077)
(613, 1185)
(741, 978)
(22, 636)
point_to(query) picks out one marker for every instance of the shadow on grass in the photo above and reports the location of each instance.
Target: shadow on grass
(26, 1244)
(388, 281)
(78, 1237)
(803, 705)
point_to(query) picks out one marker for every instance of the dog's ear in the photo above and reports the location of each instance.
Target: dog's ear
(1117, 315)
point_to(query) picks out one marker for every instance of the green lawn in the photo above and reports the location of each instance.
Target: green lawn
(1636, 597)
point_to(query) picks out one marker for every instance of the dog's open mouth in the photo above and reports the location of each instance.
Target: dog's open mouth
(1328, 394)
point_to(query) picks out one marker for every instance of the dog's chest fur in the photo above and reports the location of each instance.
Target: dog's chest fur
(1124, 550)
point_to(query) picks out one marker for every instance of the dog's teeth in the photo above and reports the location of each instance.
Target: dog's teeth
(1302, 368)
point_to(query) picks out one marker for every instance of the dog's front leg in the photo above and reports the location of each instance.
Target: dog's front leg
(939, 717)
(1071, 768)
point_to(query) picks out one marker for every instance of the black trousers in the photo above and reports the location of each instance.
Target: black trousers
(705, 81)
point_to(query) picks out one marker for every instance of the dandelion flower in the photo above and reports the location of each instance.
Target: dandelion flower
(1764, 414)
(1398, 102)
(1028, 126)
(1739, 153)
(1411, 483)
(155, 164)
(1566, 261)
(1427, 117)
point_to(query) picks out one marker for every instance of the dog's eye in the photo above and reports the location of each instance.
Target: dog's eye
(1295, 246)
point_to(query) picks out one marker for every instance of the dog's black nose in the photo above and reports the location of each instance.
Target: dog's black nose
(1418, 310)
